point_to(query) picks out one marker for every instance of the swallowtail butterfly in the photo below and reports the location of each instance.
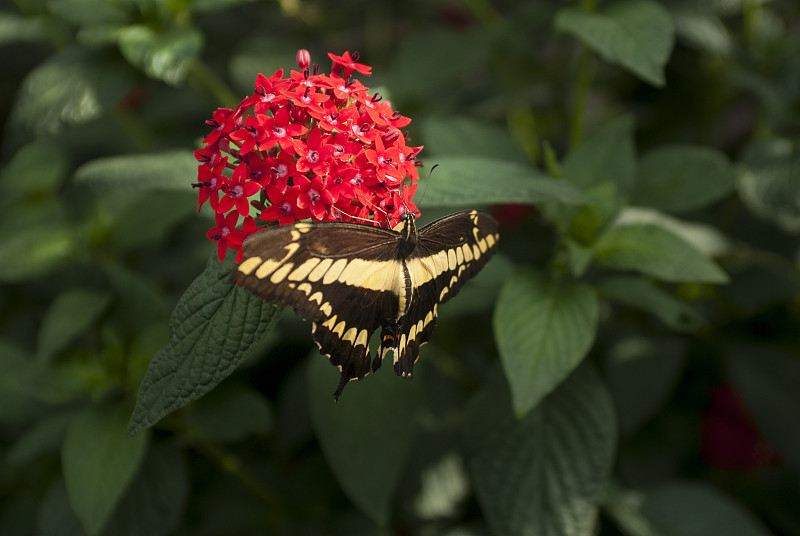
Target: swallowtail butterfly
(348, 279)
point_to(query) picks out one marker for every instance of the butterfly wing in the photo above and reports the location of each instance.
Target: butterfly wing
(339, 276)
(449, 252)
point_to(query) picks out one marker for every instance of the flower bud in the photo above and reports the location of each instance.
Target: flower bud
(303, 59)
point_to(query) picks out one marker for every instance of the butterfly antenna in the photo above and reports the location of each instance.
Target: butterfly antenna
(426, 184)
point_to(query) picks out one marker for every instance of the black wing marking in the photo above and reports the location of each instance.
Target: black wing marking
(341, 277)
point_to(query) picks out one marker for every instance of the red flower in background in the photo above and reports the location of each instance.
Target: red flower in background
(307, 146)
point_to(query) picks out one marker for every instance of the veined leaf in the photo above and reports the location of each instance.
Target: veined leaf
(69, 315)
(466, 180)
(637, 35)
(607, 155)
(165, 56)
(213, 329)
(543, 328)
(542, 474)
(366, 436)
(656, 251)
(168, 170)
(99, 462)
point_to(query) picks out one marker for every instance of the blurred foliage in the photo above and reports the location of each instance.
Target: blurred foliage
(627, 364)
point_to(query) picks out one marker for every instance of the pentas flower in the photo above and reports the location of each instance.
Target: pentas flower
(307, 146)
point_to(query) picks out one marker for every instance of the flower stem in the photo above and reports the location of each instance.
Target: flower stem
(202, 76)
(581, 85)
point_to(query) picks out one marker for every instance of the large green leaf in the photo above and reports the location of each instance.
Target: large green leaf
(37, 251)
(26, 386)
(154, 502)
(165, 56)
(73, 86)
(213, 329)
(657, 251)
(99, 462)
(544, 328)
(542, 474)
(637, 35)
(680, 178)
(767, 381)
(366, 436)
(17, 29)
(693, 509)
(167, 170)
(69, 315)
(771, 188)
(471, 180)
(152, 505)
(607, 156)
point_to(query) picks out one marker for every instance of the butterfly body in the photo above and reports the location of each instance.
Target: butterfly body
(349, 279)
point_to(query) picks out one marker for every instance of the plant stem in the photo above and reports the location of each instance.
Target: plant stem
(581, 85)
(200, 75)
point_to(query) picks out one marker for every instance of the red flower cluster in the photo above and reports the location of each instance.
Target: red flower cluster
(307, 146)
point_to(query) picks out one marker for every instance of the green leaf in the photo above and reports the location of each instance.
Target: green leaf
(16, 29)
(44, 437)
(36, 169)
(167, 170)
(543, 328)
(228, 415)
(680, 178)
(637, 35)
(73, 86)
(768, 380)
(461, 136)
(37, 251)
(771, 188)
(165, 56)
(89, 12)
(55, 515)
(99, 462)
(641, 372)
(654, 250)
(443, 487)
(154, 502)
(70, 314)
(213, 329)
(596, 215)
(465, 180)
(702, 30)
(366, 436)
(141, 303)
(645, 295)
(542, 474)
(693, 509)
(24, 385)
(607, 156)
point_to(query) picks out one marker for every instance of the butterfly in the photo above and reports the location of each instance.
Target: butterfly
(348, 279)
